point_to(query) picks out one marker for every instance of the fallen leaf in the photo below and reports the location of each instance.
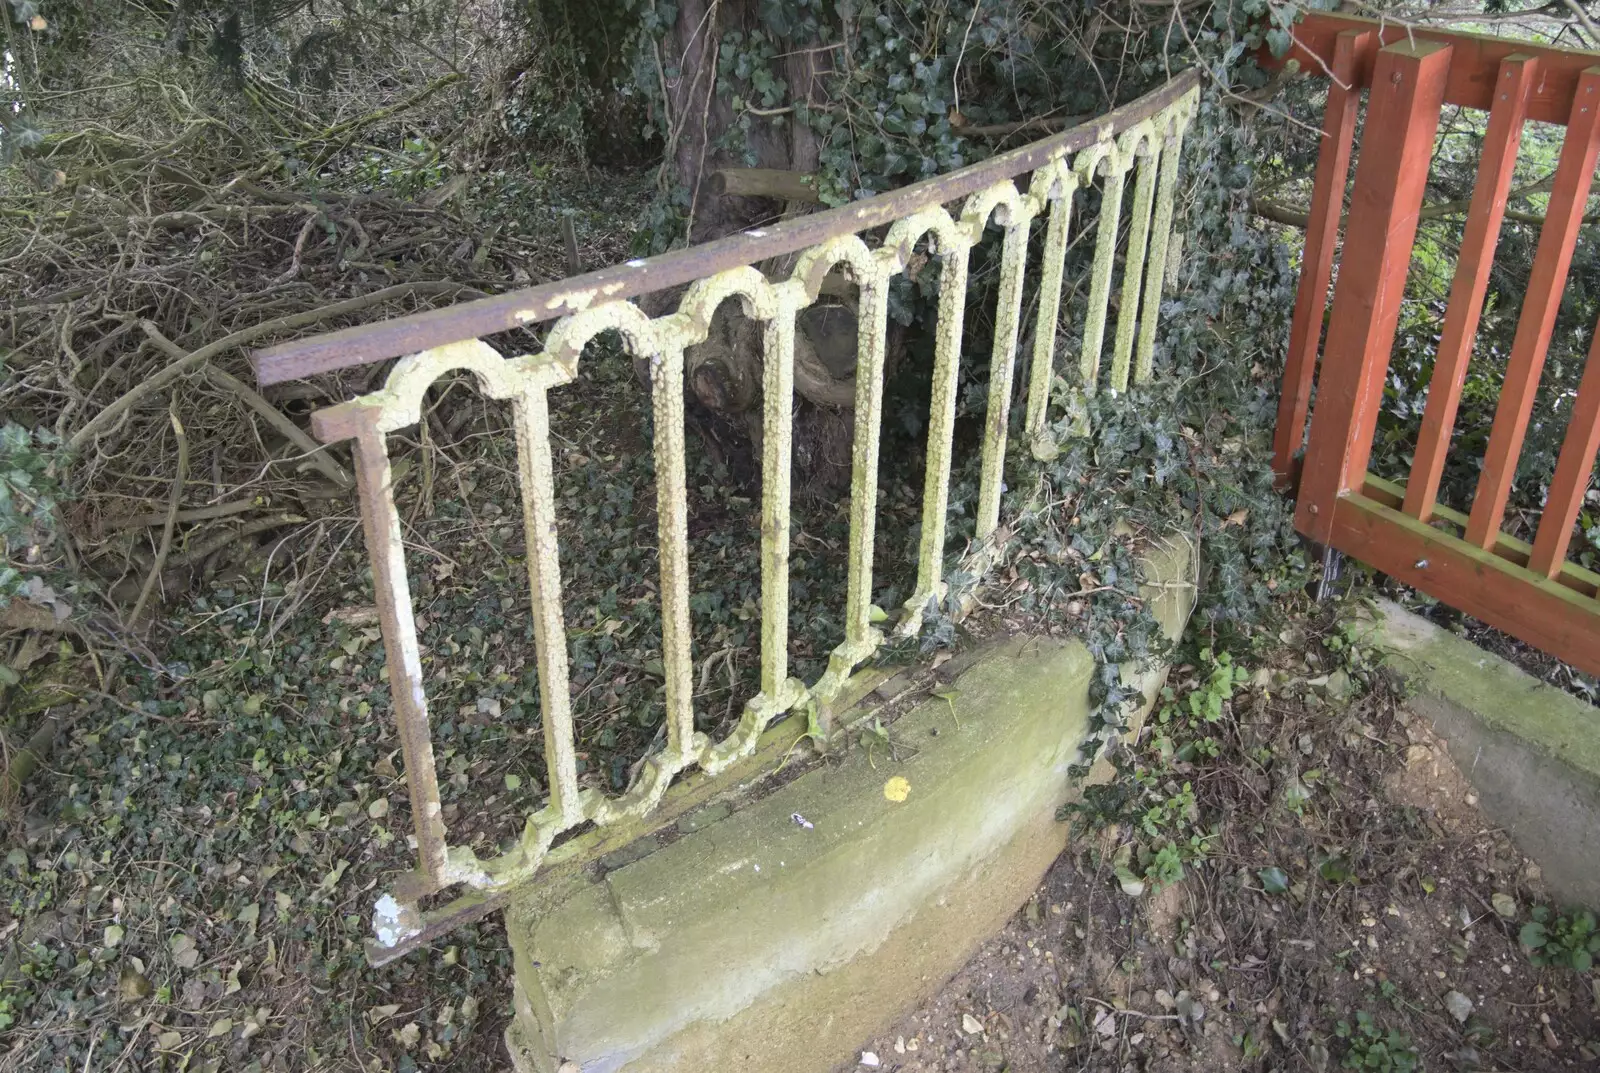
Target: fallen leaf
(971, 1025)
(897, 789)
(168, 1040)
(113, 935)
(1459, 1005)
(132, 985)
(513, 782)
(331, 880)
(378, 809)
(1505, 905)
(220, 1028)
(382, 1013)
(408, 1036)
(184, 953)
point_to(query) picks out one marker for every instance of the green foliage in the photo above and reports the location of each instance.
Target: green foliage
(1557, 939)
(1153, 796)
(564, 96)
(1370, 1049)
(413, 170)
(1194, 443)
(1274, 880)
(917, 88)
(255, 768)
(29, 491)
(1217, 690)
(1182, 730)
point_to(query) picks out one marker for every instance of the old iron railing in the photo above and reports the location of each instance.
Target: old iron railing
(1142, 137)
(1463, 560)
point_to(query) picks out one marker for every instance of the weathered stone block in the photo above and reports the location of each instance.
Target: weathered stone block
(1531, 750)
(757, 942)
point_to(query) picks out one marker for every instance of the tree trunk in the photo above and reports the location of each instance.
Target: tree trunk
(725, 371)
(699, 116)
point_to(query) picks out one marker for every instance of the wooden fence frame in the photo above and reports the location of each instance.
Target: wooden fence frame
(1409, 74)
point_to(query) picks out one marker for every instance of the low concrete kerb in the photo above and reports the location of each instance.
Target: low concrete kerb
(1531, 751)
(787, 929)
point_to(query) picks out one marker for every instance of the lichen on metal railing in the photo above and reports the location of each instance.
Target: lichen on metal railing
(1145, 135)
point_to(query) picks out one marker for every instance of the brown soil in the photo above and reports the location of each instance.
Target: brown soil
(1086, 977)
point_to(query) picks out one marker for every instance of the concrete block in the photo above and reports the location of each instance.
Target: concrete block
(1531, 750)
(758, 943)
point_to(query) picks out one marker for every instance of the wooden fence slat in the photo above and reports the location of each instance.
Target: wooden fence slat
(1322, 235)
(1562, 222)
(1540, 611)
(1518, 74)
(1453, 523)
(1474, 63)
(1572, 471)
(1402, 118)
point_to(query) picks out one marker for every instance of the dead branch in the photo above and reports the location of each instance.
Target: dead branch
(203, 550)
(193, 360)
(766, 182)
(172, 515)
(185, 517)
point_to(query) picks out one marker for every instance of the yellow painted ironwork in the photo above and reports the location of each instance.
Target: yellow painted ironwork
(1161, 234)
(1058, 183)
(1152, 144)
(1141, 145)
(1018, 218)
(1106, 159)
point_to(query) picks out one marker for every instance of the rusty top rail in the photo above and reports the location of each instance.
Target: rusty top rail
(1474, 61)
(367, 343)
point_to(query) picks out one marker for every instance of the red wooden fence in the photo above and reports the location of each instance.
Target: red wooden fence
(1466, 561)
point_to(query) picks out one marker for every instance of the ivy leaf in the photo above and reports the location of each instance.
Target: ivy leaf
(1337, 870)
(1273, 880)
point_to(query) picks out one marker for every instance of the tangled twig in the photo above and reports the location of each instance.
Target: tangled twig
(172, 515)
